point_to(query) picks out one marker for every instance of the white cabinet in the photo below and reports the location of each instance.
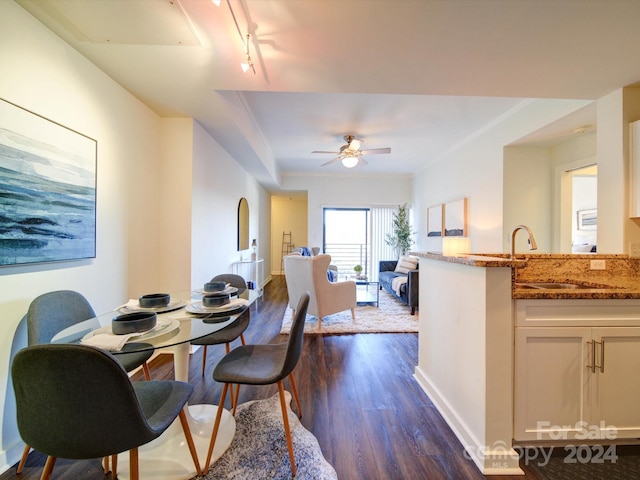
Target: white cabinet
(577, 381)
(552, 382)
(616, 382)
(252, 271)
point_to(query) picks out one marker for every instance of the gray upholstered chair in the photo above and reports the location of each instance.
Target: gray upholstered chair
(230, 332)
(51, 313)
(264, 365)
(77, 402)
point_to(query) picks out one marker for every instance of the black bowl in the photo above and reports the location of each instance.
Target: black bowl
(215, 286)
(216, 300)
(133, 322)
(154, 300)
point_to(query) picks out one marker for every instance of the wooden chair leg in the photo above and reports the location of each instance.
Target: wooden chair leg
(353, 313)
(234, 398)
(204, 358)
(105, 465)
(192, 446)
(48, 468)
(114, 467)
(295, 394)
(287, 431)
(134, 468)
(227, 347)
(242, 338)
(145, 369)
(23, 459)
(216, 425)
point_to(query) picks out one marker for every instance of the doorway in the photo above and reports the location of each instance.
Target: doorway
(579, 214)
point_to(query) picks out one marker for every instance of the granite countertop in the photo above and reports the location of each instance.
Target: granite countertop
(474, 259)
(619, 280)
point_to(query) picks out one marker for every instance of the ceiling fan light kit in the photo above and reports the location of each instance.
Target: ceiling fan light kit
(350, 162)
(350, 154)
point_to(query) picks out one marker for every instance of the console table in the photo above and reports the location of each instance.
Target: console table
(251, 271)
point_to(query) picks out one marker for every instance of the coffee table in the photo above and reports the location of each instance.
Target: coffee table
(364, 295)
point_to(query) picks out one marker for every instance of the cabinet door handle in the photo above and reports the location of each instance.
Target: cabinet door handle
(593, 356)
(601, 366)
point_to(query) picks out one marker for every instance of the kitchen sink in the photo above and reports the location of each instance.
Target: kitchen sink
(551, 285)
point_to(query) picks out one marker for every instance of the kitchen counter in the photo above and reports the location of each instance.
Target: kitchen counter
(619, 280)
(467, 340)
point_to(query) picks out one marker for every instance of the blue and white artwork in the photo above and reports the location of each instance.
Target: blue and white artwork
(47, 190)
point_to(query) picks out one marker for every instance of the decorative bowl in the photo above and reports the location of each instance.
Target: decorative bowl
(216, 300)
(133, 322)
(214, 286)
(154, 300)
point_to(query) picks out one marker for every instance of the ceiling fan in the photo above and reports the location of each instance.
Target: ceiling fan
(350, 154)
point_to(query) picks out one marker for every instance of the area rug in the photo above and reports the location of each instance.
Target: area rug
(259, 448)
(392, 316)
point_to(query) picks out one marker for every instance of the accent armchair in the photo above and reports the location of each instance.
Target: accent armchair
(310, 274)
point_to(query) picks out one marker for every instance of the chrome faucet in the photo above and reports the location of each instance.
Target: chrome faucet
(531, 239)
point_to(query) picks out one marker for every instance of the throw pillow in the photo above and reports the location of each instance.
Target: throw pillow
(406, 263)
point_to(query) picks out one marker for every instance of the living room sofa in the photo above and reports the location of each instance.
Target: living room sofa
(407, 284)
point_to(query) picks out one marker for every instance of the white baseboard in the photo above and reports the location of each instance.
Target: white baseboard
(499, 459)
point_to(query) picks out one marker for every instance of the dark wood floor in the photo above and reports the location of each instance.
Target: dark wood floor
(358, 397)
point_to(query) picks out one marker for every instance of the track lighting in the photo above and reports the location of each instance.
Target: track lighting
(248, 64)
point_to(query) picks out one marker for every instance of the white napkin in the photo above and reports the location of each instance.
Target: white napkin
(108, 341)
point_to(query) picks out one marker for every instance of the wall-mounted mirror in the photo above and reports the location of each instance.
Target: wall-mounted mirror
(243, 224)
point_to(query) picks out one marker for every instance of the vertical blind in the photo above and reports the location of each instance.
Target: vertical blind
(381, 225)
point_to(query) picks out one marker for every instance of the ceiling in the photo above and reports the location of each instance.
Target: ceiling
(419, 76)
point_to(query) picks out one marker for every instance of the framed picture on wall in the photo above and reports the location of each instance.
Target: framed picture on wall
(588, 219)
(434, 221)
(47, 190)
(455, 218)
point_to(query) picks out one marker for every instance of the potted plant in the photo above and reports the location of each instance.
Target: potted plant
(401, 239)
(358, 270)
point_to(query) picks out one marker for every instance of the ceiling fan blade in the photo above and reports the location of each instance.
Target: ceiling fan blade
(331, 161)
(362, 161)
(325, 151)
(374, 151)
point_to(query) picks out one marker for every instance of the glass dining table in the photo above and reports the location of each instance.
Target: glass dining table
(182, 321)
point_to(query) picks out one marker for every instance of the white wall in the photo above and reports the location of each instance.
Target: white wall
(41, 73)
(218, 186)
(615, 112)
(145, 169)
(531, 189)
(288, 214)
(347, 190)
(475, 170)
(528, 195)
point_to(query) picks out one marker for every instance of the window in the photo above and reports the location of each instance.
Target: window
(356, 236)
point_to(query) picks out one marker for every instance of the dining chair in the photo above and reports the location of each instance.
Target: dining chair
(232, 331)
(264, 364)
(54, 311)
(77, 402)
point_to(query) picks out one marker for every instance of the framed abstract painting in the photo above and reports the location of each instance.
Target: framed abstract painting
(434, 221)
(455, 218)
(47, 190)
